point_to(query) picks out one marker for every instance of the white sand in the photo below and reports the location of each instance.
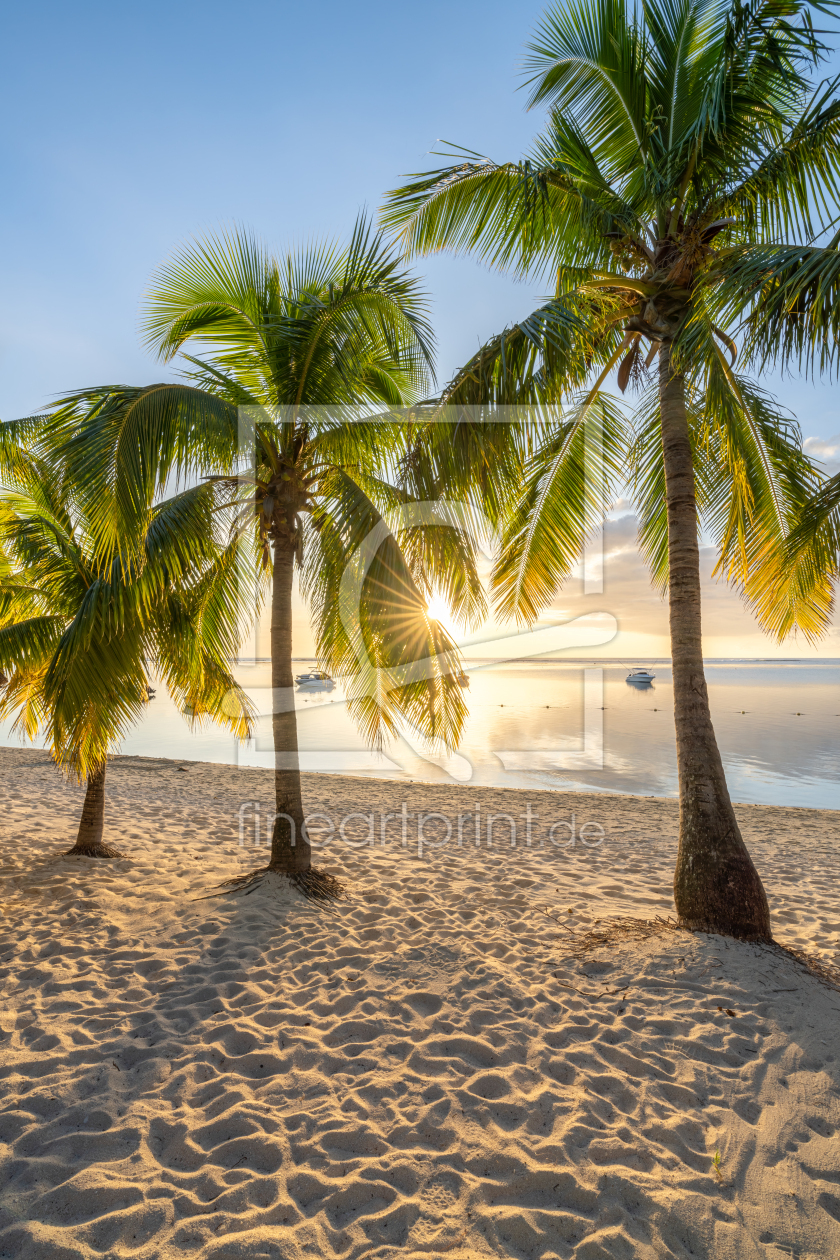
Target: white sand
(423, 1070)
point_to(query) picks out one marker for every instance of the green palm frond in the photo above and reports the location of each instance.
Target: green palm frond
(215, 291)
(29, 642)
(543, 358)
(789, 299)
(570, 480)
(793, 189)
(121, 445)
(770, 483)
(308, 328)
(684, 38)
(591, 64)
(527, 217)
(815, 540)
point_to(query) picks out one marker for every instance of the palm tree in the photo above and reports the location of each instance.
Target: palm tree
(78, 635)
(685, 140)
(279, 416)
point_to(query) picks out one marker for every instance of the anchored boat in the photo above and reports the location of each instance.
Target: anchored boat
(316, 678)
(640, 677)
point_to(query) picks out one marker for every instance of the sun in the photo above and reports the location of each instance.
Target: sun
(438, 610)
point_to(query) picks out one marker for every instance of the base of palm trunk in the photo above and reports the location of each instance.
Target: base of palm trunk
(93, 851)
(738, 933)
(314, 884)
(717, 889)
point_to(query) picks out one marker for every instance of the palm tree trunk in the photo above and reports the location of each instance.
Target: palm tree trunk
(716, 885)
(290, 851)
(89, 839)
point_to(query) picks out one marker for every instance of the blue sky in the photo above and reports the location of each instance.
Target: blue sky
(130, 128)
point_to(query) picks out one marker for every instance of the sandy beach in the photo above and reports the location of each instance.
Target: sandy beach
(435, 1066)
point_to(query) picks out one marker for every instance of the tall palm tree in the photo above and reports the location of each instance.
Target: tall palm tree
(79, 635)
(685, 140)
(279, 415)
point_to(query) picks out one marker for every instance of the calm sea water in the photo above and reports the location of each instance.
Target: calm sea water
(556, 725)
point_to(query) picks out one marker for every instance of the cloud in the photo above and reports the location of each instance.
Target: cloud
(826, 451)
(621, 508)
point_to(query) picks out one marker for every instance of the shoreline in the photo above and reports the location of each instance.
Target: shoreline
(144, 761)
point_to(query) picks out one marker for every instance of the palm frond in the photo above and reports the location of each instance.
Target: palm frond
(589, 61)
(371, 619)
(789, 299)
(793, 189)
(570, 480)
(121, 445)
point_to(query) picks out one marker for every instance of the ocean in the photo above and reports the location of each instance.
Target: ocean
(559, 724)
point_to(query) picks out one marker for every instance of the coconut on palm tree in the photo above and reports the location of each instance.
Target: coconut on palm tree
(299, 355)
(80, 635)
(687, 147)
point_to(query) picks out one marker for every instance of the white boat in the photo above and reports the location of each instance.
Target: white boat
(315, 678)
(641, 676)
(462, 679)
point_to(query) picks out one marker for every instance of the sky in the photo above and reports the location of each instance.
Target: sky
(130, 128)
